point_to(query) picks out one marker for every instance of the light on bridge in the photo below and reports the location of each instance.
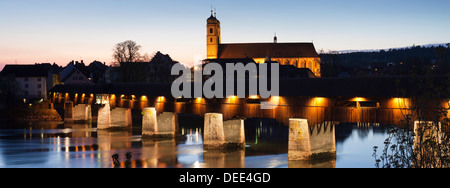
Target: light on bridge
(232, 99)
(161, 99)
(199, 100)
(254, 97)
(401, 103)
(359, 99)
(318, 101)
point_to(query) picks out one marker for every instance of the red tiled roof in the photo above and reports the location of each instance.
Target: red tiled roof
(261, 50)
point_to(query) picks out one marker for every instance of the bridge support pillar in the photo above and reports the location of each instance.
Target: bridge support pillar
(82, 113)
(310, 143)
(167, 125)
(214, 136)
(68, 111)
(164, 125)
(219, 134)
(234, 133)
(104, 117)
(121, 118)
(149, 122)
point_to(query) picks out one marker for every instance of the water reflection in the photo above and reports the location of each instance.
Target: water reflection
(83, 146)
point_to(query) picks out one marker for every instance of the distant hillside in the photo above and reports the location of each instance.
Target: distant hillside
(366, 62)
(387, 49)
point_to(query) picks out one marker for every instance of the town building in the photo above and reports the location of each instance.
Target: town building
(76, 73)
(30, 81)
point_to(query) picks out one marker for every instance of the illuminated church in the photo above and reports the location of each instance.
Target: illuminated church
(300, 55)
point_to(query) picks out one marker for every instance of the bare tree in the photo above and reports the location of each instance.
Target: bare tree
(127, 51)
(146, 58)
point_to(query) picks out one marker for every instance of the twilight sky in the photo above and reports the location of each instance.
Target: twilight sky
(37, 31)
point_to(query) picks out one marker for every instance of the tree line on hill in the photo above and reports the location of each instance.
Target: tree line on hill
(392, 62)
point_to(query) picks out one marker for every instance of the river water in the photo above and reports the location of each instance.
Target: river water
(57, 145)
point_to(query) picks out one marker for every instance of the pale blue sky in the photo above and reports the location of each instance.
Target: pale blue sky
(64, 30)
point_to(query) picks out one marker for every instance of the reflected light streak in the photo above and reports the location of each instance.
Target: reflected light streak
(58, 144)
(196, 164)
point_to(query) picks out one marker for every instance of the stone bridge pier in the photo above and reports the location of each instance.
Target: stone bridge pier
(219, 134)
(164, 125)
(113, 118)
(311, 143)
(80, 113)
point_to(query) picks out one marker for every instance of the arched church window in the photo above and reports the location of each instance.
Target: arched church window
(303, 65)
(210, 30)
(295, 63)
(211, 40)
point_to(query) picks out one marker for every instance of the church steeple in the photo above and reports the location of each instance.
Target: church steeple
(212, 36)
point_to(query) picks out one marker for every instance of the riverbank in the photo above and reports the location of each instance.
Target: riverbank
(21, 113)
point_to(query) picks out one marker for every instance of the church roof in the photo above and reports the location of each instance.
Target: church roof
(212, 20)
(262, 50)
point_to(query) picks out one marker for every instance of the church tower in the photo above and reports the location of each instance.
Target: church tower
(212, 37)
